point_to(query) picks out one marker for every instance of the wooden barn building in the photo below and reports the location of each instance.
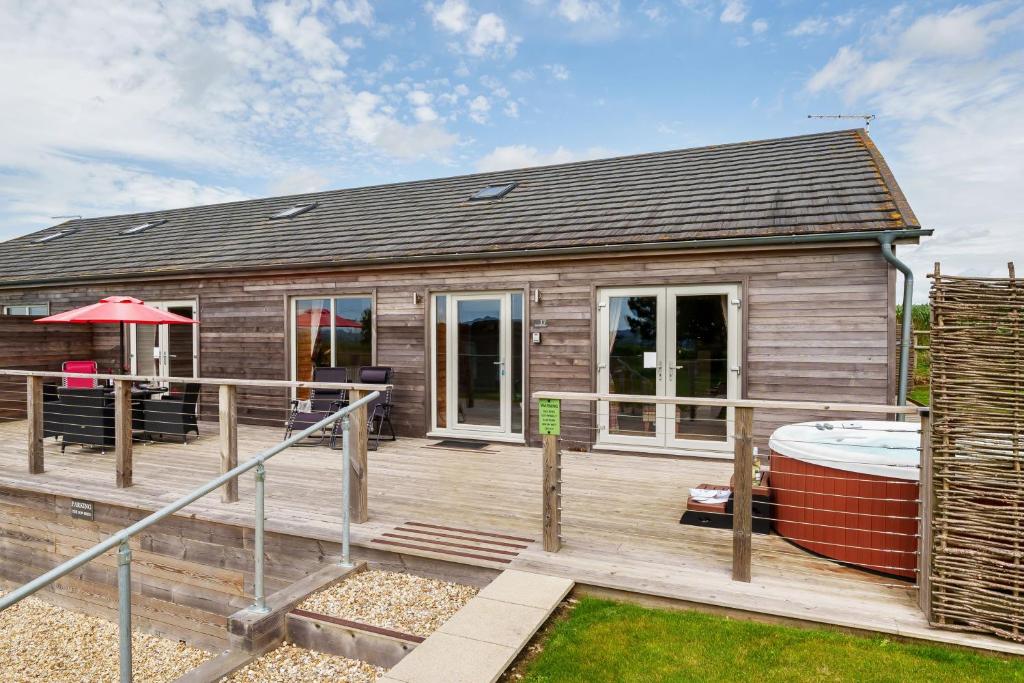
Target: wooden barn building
(744, 270)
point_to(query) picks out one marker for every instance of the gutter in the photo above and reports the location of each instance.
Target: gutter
(908, 302)
(721, 243)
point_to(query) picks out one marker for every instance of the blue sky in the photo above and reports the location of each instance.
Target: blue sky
(111, 107)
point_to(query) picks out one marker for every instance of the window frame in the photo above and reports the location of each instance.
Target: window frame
(293, 365)
(28, 310)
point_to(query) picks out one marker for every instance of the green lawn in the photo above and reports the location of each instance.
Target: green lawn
(608, 641)
(922, 396)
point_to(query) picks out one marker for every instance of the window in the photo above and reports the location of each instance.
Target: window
(493, 191)
(28, 309)
(143, 227)
(331, 332)
(293, 211)
(54, 235)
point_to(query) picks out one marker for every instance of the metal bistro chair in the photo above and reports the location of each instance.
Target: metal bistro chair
(322, 403)
(378, 412)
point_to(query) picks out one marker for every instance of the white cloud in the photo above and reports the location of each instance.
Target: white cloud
(486, 35)
(490, 34)
(420, 98)
(558, 71)
(577, 11)
(812, 26)
(523, 156)
(371, 123)
(733, 12)
(511, 109)
(451, 15)
(171, 104)
(479, 107)
(949, 124)
(354, 12)
(759, 26)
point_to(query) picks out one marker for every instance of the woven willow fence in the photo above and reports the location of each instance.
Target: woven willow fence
(977, 349)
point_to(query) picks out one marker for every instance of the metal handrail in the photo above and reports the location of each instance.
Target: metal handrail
(206, 381)
(124, 553)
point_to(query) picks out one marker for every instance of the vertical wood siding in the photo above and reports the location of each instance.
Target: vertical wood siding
(817, 321)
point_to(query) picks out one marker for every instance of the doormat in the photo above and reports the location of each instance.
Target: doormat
(461, 445)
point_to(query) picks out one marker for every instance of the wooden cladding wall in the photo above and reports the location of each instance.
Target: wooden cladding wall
(188, 575)
(25, 345)
(817, 321)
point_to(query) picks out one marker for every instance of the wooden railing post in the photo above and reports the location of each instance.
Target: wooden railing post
(359, 496)
(549, 424)
(123, 431)
(926, 492)
(552, 494)
(228, 405)
(742, 482)
(34, 406)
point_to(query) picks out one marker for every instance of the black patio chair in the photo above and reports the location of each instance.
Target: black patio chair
(172, 415)
(85, 417)
(322, 403)
(378, 411)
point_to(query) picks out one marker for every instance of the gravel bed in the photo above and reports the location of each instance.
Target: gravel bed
(402, 602)
(290, 663)
(41, 642)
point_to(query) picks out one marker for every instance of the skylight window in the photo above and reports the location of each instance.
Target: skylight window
(493, 191)
(293, 211)
(142, 227)
(54, 235)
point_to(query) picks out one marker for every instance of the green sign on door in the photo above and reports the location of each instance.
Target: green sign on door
(550, 421)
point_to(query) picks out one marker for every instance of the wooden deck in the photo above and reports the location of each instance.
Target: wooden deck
(620, 520)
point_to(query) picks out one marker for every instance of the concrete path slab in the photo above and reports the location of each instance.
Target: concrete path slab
(479, 642)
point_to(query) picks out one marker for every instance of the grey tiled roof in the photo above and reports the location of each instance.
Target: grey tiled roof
(826, 183)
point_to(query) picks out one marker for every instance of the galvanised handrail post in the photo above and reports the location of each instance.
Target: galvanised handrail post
(261, 599)
(346, 495)
(124, 609)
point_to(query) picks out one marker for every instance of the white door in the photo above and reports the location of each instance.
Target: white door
(477, 378)
(668, 341)
(166, 350)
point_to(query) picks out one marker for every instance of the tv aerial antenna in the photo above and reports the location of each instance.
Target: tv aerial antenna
(867, 118)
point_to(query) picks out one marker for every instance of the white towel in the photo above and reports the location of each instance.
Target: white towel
(709, 495)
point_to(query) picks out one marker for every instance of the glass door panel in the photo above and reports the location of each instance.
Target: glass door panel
(180, 343)
(701, 366)
(668, 341)
(480, 362)
(146, 350)
(633, 363)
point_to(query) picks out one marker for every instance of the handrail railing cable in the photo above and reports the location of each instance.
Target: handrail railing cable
(120, 539)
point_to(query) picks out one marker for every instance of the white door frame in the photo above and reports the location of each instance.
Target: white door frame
(664, 436)
(502, 431)
(163, 339)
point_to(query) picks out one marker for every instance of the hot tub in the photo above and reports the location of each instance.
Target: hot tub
(849, 491)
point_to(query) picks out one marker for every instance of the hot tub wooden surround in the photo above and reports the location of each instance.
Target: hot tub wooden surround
(620, 522)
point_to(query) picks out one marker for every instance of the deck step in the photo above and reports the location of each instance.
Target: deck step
(479, 642)
(458, 542)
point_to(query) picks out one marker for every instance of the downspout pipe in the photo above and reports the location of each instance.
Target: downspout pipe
(889, 255)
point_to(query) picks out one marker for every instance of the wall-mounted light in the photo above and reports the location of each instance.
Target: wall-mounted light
(536, 296)
(415, 298)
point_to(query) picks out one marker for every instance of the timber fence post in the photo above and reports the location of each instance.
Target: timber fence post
(742, 482)
(228, 406)
(35, 425)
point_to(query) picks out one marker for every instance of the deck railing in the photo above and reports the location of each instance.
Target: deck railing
(120, 540)
(27, 402)
(739, 429)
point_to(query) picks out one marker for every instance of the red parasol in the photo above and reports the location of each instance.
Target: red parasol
(119, 309)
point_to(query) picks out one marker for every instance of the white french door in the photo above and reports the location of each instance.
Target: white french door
(477, 377)
(166, 350)
(668, 341)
